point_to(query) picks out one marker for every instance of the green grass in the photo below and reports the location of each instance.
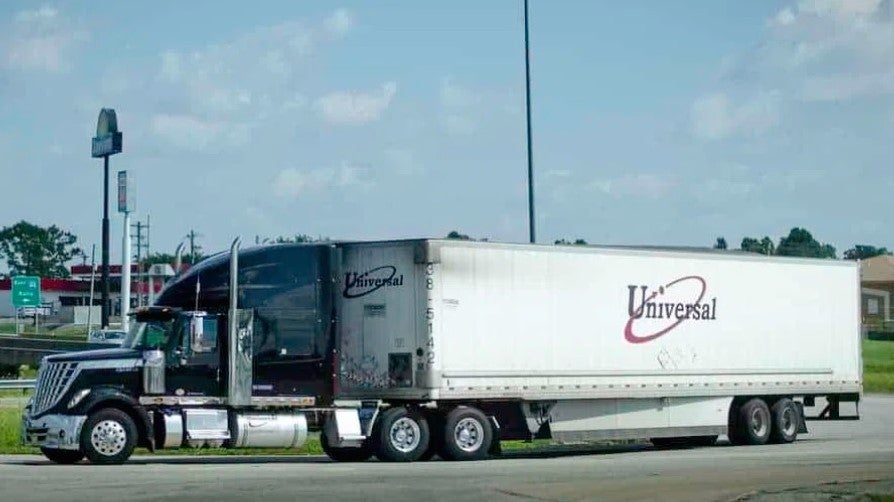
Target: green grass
(67, 332)
(10, 425)
(878, 366)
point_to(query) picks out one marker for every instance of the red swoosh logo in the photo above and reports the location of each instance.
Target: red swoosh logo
(631, 337)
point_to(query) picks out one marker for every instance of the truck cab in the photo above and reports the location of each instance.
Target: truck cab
(210, 364)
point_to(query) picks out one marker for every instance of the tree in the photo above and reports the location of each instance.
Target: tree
(458, 236)
(799, 242)
(295, 239)
(33, 250)
(863, 252)
(720, 243)
(159, 258)
(576, 242)
(764, 246)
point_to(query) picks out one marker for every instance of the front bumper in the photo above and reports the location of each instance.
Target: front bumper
(53, 431)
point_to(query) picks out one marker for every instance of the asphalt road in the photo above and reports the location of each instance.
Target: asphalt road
(837, 461)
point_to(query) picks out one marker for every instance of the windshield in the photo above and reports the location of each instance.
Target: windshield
(152, 334)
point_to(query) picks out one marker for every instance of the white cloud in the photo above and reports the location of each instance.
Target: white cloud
(43, 13)
(641, 184)
(455, 96)
(829, 50)
(402, 161)
(839, 9)
(191, 133)
(40, 40)
(171, 66)
(846, 86)
(219, 94)
(461, 111)
(354, 108)
(459, 124)
(292, 182)
(339, 23)
(784, 17)
(716, 117)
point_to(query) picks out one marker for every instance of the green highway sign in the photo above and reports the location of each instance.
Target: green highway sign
(25, 291)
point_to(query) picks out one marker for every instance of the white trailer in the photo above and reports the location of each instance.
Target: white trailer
(407, 349)
(581, 342)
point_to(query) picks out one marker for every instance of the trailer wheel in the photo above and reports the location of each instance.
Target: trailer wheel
(344, 454)
(785, 421)
(467, 434)
(752, 423)
(63, 457)
(400, 435)
(109, 437)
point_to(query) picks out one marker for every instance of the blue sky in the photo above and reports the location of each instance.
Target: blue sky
(654, 122)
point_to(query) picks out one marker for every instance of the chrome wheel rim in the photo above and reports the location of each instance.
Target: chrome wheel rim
(789, 421)
(468, 435)
(759, 424)
(404, 435)
(108, 438)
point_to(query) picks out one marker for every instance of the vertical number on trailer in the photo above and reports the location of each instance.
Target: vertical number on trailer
(429, 315)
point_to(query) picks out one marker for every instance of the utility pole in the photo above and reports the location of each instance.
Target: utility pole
(192, 245)
(142, 238)
(139, 226)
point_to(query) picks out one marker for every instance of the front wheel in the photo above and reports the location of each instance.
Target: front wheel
(109, 437)
(400, 435)
(63, 457)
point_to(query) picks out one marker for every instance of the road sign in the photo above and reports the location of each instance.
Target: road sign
(25, 291)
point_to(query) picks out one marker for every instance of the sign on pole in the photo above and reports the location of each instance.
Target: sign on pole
(126, 200)
(25, 291)
(108, 138)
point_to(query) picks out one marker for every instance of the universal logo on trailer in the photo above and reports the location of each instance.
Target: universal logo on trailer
(678, 301)
(357, 284)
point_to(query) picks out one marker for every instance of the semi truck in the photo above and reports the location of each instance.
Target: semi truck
(408, 349)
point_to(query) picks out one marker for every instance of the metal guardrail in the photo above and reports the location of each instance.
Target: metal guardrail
(17, 384)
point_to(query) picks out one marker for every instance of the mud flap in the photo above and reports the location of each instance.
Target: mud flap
(802, 423)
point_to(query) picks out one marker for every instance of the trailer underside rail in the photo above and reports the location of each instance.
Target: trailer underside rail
(832, 410)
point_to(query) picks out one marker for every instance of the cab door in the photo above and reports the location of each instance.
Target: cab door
(194, 363)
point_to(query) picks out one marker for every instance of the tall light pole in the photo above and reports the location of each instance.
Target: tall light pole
(531, 232)
(106, 143)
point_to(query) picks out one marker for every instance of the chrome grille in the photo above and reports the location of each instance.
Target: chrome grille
(53, 381)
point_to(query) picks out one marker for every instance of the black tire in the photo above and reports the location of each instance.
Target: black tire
(344, 454)
(400, 435)
(436, 435)
(109, 436)
(751, 424)
(468, 434)
(786, 419)
(63, 457)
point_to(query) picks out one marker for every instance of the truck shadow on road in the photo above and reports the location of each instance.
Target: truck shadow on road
(558, 451)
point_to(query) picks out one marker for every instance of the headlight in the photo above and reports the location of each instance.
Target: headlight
(78, 397)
